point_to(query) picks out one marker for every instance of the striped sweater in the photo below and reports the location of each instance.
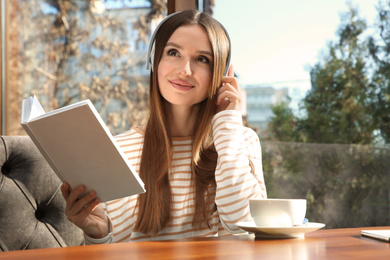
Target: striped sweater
(237, 147)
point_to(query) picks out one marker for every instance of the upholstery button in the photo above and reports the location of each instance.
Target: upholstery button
(39, 214)
(5, 169)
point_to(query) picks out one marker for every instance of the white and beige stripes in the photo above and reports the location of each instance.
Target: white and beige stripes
(239, 176)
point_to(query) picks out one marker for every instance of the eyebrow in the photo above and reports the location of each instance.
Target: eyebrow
(172, 44)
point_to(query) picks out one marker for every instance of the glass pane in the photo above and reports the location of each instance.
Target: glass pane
(69, 50)
(316, 76)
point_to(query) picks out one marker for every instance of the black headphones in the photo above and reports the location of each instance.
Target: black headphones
(149, 57)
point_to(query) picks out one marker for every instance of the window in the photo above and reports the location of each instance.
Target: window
(65, 51)
(322, 70)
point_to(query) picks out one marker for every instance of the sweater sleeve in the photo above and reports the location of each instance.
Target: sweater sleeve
(239, 171)
(105, 240)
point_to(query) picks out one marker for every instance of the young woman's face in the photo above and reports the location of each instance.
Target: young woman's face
(185, 68)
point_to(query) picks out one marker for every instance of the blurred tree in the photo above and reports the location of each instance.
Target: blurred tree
(73, 50)
(284, 125)
(337, 106)
(348, 101)
(379, 46)
(329, 155)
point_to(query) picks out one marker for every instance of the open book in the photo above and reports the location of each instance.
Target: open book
(81, 150)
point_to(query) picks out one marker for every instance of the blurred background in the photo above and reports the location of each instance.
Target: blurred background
(315, 78)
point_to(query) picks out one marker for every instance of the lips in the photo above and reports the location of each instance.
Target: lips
(181, 84)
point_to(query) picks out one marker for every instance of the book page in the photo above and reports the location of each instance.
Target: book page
(31, 108)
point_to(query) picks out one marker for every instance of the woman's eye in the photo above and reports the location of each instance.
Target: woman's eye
(173, 53)
(203, 59)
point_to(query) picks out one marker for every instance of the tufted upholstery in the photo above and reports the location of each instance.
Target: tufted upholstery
(31, 204)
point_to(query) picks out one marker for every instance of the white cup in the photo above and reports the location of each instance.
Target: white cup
(277, 212)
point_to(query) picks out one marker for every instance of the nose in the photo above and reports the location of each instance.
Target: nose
(185, 68)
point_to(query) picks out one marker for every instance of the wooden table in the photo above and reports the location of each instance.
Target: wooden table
(322, 244)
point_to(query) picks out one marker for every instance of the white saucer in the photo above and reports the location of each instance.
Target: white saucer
(280, 232)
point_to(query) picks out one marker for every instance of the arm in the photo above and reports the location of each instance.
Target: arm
(239, 173)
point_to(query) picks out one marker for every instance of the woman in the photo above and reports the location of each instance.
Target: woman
(200, 165)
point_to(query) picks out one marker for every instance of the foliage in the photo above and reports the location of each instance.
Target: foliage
(331, 156)
(339, 108)
(284, 124)
(73, 50)
(379, 47)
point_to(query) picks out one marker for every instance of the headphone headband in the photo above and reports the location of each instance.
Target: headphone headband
(149, 58)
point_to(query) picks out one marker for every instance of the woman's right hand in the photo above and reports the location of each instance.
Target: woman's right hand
(86, 213)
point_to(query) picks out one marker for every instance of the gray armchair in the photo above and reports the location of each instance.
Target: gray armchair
(31, 204)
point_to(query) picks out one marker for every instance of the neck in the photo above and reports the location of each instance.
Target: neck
(182, 120)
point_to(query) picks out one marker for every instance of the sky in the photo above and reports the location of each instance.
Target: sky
(274, 42)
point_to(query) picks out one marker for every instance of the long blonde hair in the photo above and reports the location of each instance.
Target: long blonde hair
(154, 206)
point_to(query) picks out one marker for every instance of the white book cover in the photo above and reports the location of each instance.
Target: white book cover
(381, 234)
(81, 150)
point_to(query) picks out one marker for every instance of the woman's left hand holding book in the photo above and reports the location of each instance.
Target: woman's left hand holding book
(85, 212)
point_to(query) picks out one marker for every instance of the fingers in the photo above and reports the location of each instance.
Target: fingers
(73, 198)
(228, 93)
(77, 206)
(231, 71)
(85, 211)
(89, 207)
(230, 77)
(65, 190)
(229, 82)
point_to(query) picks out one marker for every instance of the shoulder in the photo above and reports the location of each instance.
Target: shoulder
(134, 135)
(131, 141)
(135, 131)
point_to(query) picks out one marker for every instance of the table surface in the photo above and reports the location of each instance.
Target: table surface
(322, 244)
